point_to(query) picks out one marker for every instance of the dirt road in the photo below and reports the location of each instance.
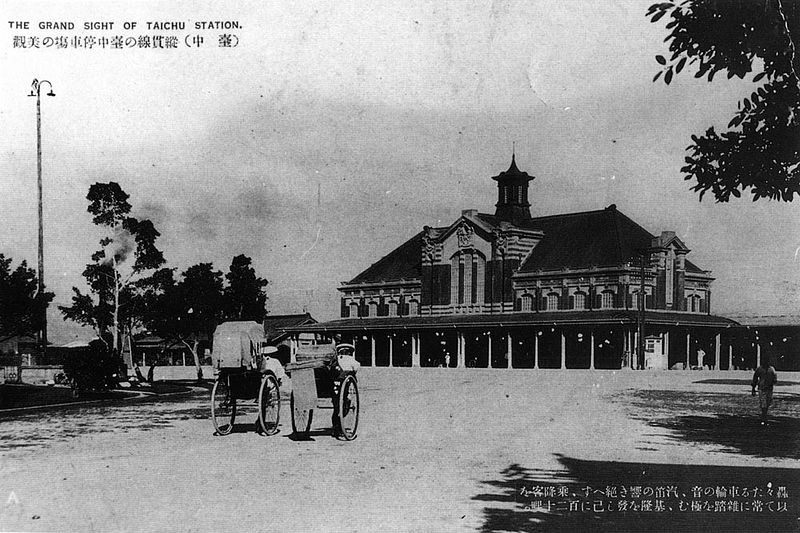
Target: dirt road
(438, 450)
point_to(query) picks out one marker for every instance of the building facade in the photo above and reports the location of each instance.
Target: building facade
(507, 289)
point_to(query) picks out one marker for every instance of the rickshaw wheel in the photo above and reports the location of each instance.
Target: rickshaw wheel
(269, 404)
(348, 408)
(223, 406)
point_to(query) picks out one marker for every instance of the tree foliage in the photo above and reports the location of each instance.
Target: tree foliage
(760, 151)
(116, 276)
(187, 310)
(245, 295)
(22, 309)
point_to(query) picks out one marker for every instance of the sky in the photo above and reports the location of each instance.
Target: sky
(333, 131)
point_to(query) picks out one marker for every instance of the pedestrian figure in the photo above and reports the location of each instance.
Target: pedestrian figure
(447, 360)
(764, 378)
(700, 356)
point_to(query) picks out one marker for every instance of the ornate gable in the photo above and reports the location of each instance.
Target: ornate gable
(465, 234)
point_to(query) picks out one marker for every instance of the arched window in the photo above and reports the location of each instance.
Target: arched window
(607, 300)
(373, 309)
(353, 310)
(527, 302)
(413, 307)
(392, 308)
(552, 301)
(579, 300)
(467, 269)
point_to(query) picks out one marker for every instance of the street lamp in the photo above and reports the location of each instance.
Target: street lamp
(644, 261)
(36, 90)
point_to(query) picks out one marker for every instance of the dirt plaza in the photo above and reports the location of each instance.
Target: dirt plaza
(438, 450)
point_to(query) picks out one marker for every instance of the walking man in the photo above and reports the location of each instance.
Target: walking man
(764, 378)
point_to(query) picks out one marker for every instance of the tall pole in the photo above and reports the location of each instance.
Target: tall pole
(36, 91)
(642, 298)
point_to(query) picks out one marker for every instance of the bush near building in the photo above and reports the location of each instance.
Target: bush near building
(97, 368)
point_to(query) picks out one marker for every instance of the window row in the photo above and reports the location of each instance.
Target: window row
(375, 309)
(554, 301)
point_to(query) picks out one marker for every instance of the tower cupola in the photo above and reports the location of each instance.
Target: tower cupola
(512, 194)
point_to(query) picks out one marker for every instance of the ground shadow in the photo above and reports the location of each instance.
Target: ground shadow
(727, 420)
(741, 435)
(310, 435)
(613, 496)
(742, 382)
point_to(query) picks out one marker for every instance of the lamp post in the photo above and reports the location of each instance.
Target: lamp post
(36, 90)
(644, 263)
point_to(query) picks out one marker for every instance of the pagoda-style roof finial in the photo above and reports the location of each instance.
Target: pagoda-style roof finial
(513, 154)
(512, 192)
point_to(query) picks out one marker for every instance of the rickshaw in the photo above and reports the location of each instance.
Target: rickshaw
(246, 375)
(243, 375)
(325, 371)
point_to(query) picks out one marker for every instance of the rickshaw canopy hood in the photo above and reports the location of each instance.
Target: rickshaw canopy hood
(236, 344)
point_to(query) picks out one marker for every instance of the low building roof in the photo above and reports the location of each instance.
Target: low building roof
(275, 325)
(554, 318)
(768, 320)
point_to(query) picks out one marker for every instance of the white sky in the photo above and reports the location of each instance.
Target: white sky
(398, 114)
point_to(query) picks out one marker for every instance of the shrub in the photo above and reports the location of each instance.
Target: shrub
(94, 369)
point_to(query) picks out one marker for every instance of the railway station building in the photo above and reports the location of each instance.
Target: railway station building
(510, 290)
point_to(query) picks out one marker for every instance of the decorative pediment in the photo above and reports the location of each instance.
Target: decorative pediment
(468, 229)
(465, 234)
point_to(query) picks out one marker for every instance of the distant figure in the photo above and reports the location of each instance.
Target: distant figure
(447, 360)
(139, 375)
(765, 379)
(150, 373)
(700, 356)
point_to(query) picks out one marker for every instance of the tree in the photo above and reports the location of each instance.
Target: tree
(113, 278)
(22, 309)
(245, 295)
(760, 152)
(187, 310)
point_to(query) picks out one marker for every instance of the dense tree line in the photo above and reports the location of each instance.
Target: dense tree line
(22, 308)
(130, 290)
